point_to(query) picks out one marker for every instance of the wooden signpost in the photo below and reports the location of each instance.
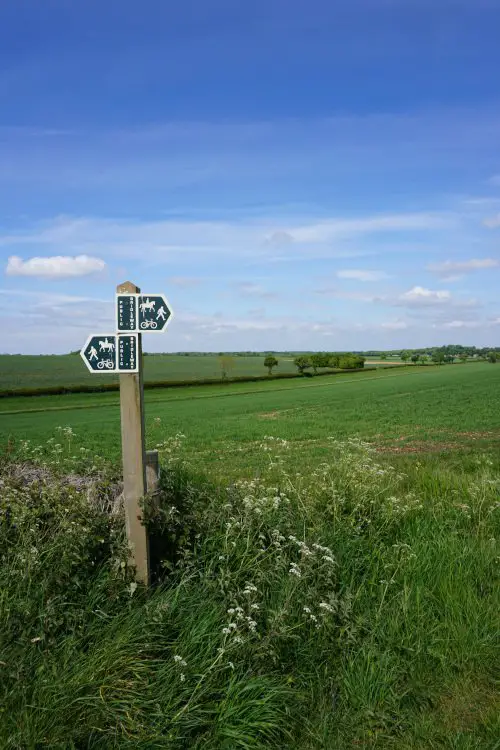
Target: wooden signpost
(122, 353)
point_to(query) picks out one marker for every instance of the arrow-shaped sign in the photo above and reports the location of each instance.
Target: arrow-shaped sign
(109, 353)
(142, 313)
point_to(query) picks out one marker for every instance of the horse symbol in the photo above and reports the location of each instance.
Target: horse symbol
(106, 346)
(147, 305)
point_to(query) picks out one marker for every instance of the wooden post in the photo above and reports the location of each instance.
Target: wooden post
(133, 454)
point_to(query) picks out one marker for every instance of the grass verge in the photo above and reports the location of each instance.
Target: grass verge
(352, 605)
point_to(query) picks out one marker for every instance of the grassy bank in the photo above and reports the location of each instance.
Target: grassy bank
(329, 607)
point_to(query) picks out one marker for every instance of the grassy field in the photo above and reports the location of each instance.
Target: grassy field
(440, 411)
(22, 371)
(323, 593)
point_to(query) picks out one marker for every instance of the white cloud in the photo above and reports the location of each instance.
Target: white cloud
(329, 291)
(420, 296)
(492, 222)
(362, 275)
(463, 324)
(56, 267)
(454, 270)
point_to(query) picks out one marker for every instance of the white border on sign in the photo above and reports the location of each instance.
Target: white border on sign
(169, 306)
(127, 294)
(137, 363)
(91, 369)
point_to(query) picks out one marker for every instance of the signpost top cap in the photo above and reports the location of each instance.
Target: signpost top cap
(127, 288)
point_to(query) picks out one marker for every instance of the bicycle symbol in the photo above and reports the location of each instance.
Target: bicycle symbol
(149, 324)
(105, 363)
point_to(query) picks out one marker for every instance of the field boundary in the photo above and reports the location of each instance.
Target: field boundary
(76, 407)
(61, 390)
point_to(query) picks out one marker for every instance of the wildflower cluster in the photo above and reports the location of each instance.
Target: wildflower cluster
(171, 447)
(64, 457)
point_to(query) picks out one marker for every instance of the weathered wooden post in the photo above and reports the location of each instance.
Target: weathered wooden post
(121, 352)
(134, 456)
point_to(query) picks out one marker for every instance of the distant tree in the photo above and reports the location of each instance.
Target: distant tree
(333, 360)
(438, 356)
(351, 362)
(302, 363)
(463, 357)
(492, 357)
(415, 357)
(423, 358)
(270, 362)
(383, 356)
(226, 363)
(405, 356)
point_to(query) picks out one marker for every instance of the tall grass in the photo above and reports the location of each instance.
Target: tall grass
(350, 606)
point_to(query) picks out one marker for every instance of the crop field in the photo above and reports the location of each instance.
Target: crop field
(328, 556)
(22, 371)
(39, 371)
(442, 411)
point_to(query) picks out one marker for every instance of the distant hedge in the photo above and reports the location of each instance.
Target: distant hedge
(59, 390)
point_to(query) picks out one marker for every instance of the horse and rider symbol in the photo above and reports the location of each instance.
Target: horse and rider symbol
(104, 346)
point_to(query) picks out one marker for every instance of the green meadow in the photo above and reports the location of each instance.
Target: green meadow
(325, 557)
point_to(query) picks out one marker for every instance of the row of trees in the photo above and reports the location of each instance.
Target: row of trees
(318, 361)
(442, 355)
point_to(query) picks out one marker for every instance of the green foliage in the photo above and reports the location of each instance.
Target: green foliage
(351, 362)
(302, 363)
(270, 362)
(306, 608)
(493, 357)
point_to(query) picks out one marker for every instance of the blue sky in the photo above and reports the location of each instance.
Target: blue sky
(291, 174)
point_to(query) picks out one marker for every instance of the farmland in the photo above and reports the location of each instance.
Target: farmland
(331, 555)
(49, 371)
(414, 410)
(21, 371)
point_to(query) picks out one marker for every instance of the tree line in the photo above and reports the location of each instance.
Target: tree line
(318, 361)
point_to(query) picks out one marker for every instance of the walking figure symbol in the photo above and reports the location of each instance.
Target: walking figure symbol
(92, 353)
(162, 313)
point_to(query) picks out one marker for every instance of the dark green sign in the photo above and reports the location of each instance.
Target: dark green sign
(128, 355)
(111, 353)
(126, 312)
(99, 353)
(154, 313)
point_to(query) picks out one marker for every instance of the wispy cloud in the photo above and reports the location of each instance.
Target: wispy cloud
(184, 282)
(394, 325)
(250, 289)
(359, 274)
(57, 267)
(492, 222)
(161, 241)
(451, 270)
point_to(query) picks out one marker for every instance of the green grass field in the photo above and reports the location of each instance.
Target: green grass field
(320, 593)
(22, 371)
(432, 410)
